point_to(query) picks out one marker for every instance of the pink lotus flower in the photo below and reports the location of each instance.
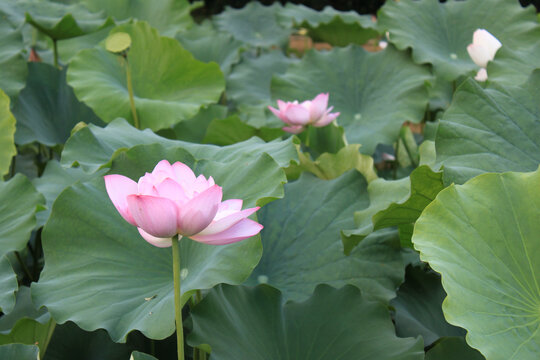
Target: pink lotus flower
(310, 112)
(171, 201)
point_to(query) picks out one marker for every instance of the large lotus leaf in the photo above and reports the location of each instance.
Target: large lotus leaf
(7, 135)
(60, 21)
(13, 69)
(19, 352)
(206, 44)
(53, 181)
(8, 285)
(302, 247)
(92, 147)
(418, 307)
(453, 348)
(47, 109)
(490, 130)
(169, 85)
(167, 16)
(439, 33)
(101, 274)
(483, 238)
(374, 92)
(338, 28)
(25, 324)
(18, 203)
(254, 24)
(330, 325)
(248, 86)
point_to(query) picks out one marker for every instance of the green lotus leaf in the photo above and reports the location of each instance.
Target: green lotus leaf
(382, 193)
(453, 348)
(513, 65)
(194, 129)
(100, 273)
(68, 48)
(7, 135)
(19, 352)
(494, 129)
(248, 87)
(302, 245)
(8, 284)
(232, 130)
(18, 203)
(489, 260)
(168, 16)
(93, 147)
(330, 166)
(60, 21)
(330, 325)
(207, 44)
(395, 203)
(25, 324)
(418, 307)
(254, 24)
(53, 181)
(47, 109)
(439, 33)
(339, 28)
(169, 85)
(374, 92)
(13, 69)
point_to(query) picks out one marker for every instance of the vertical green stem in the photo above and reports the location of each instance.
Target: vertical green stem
(177, 301)
(55, 51)
(131, 99)
(52, 326)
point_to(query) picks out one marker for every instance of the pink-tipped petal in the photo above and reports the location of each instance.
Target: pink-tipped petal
(200, 184)
(118, 188)
(155, 215)
(184, 176)
(156, 241)
(296, 115)
(327, 119)
(318, 106)
(297, 129)
(147, 184)
(227, 221)
(229, 205)
(243, 229)
(276, 112)
(282, 105)
(198, 213)
(170, 189)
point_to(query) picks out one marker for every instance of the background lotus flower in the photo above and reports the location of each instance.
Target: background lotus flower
(482, 50)
(172, 200)
(310, 112)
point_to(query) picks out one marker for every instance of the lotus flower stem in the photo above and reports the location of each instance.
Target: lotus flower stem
(177, 299)
(131, 99)
(55, 52)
